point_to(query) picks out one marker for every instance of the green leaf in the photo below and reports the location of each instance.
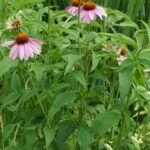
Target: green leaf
(85, 137)
(27, 94)
(49, 134)
(20, 3)
(6, 64)
(128, 24)
(105, 121)
(79, 76)
(72, 59)
(62, 99)
(10, 99)
(30, 136)
(139, 38)
(145, 57)
(39, 69)
(95, 60)
(58, 86)
(15, 81)
(8, 129)
(125, 80)
(147, 26)
(65, 129)
(122, 38)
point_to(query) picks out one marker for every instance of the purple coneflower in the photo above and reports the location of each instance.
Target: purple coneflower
(73, 8)
(122, 56)
(89, 11)
(23, 47)
(13, 22)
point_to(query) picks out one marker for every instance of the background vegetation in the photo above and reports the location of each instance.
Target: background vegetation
(75, 95)
(136, 9)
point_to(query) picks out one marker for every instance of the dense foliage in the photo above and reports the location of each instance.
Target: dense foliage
(136, 9)
(77, 94)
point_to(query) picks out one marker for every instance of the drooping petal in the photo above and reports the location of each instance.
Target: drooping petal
(100, 12)
(30, 51)
(68, 8)
(103, 12)
(13, 52)
(73, 10)
(34, 49)
(37, 46)
(86, 19)
(26, 52)
(36, 41)
(21, 51)
(92, 15)
(8, 43)
(83, 13)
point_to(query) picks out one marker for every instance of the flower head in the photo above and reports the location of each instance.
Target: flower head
(90, 11)
(23, 47)
(73, 8)
(14, 22)
(119, 51)
(122, 56)
(147, 70)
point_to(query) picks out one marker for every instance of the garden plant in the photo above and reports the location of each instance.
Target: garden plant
(74, 75)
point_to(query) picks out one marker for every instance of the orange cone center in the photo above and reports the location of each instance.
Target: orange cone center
(89, 6)
(16, 24)
(21, 38)
(76, 2)
(123, 52)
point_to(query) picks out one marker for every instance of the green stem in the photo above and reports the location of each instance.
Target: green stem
(49, 23)
(16, 131)
(36, 92)
(1, 132)
(105, 25)
(111, 133)
(121, 131)
(81, 113)
(79, 4)
(122, 122)
(136, 125)
(4, 10)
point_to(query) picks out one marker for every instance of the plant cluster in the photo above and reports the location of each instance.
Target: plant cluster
(73, 79)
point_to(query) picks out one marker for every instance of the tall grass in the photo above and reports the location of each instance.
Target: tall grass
(136, 9)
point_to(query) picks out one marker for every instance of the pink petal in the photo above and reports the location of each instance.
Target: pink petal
(26, 53)
(100, 12)
(34, 48)
(30, 51)
(83, 13)
(92, 15)
(35, 44)
(68, 8)
(86, 19)
(13, 52)
(36, 41)
(5, 44)
(73, 10)
(21, 51)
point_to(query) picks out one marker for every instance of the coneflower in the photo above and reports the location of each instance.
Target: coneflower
(14, 22)
(90, 11)
(23, 47)
(73, 8)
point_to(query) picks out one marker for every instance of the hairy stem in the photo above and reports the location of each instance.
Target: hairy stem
(36, 92)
